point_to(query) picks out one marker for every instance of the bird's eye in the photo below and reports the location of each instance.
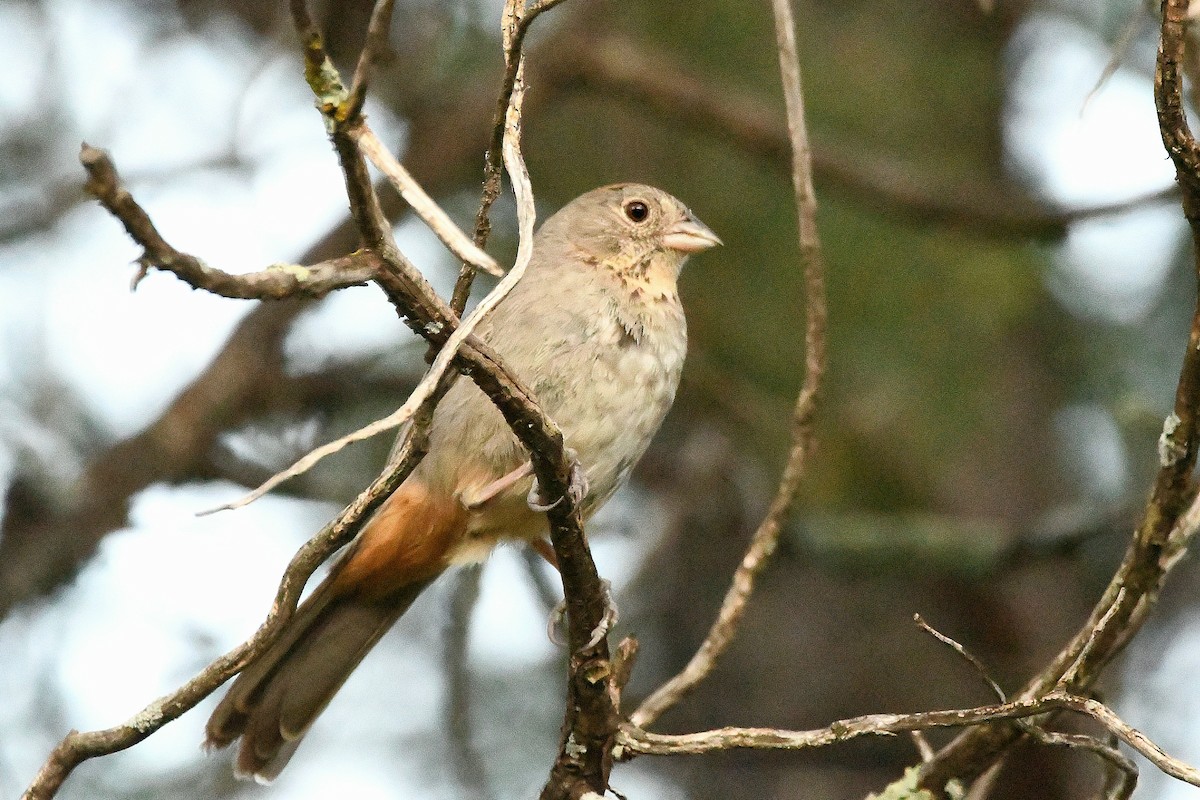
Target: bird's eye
(637, 211)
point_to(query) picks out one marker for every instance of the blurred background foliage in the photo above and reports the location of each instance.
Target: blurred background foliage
(1000, 362)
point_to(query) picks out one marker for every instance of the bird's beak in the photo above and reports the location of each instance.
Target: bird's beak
(690, 235)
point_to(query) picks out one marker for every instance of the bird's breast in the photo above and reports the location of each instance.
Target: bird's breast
(625, 390)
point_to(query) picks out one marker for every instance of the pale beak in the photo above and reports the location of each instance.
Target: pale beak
(690, 235)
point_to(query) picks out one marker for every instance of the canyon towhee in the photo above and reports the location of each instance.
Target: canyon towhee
(596, 329)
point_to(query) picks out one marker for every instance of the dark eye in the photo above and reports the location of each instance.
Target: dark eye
(637, 211)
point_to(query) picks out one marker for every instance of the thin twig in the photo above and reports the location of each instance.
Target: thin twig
(438, 221)
(767, 536)
(514, 25)
(437, 370)
(964, 654)
(635, 741)
(583, 761)
(104, 182)
(1120, 789)
(532, 427)
(1116, 761)
(526, 216)
(375, 44)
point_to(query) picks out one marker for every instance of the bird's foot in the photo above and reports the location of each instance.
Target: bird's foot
(477, 499)
(577, 488)
(607, 622)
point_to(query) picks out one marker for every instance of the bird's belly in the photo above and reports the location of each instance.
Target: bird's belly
(610, 426)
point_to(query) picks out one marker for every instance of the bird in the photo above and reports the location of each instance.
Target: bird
(596, 328)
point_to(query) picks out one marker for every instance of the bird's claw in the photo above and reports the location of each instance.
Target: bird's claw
(607, 622)
(557, 615)
(577, 488)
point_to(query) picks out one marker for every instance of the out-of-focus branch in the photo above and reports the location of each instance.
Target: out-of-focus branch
(465, 760)
(1165, 530)
(38, 206)
(628, 72)
(44, 540)
(766, 537)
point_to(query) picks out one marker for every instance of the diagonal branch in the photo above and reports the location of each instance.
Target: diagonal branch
(537, 431)
(424, 206)
(35, 556)
(583, 761)
(617, 67)
(513, 30)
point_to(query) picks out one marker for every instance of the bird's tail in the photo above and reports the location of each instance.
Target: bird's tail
(277, 697)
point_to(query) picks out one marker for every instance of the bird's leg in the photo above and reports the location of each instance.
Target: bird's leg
(577, 488)
(480, 497)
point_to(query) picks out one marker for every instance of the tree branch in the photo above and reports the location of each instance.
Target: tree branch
(277, 282)
(78, 747)
(635, 741)
(762, 545)
(513, 29)
(35, 556)
(1164, 532)
(532, 427)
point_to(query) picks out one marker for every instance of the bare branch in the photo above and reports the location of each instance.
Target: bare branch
(377, 37)
(583, 761)
(1165, 529)
(433, 215)
(78, 747)
(526, 217)
(634, 741)
(964, 654)
(1126, 769)
(767, 535)
(465, 761)
(514, 401)
(274, 283)
(43, 542)
(36, 556)
(514, 25)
